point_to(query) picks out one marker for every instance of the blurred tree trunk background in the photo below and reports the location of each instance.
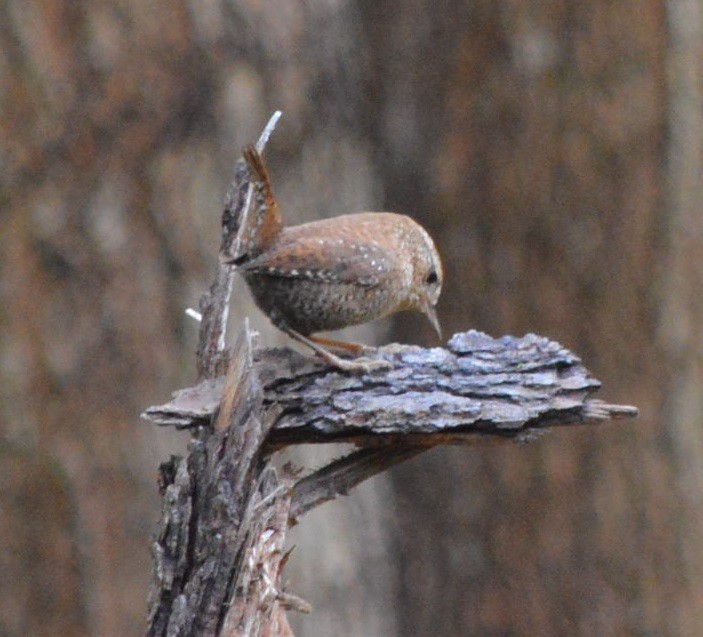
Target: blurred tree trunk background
(554, 151)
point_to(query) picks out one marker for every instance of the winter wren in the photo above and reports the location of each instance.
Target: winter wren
(329, 274)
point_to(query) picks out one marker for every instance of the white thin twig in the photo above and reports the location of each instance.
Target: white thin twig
(264, 137)
(194, 314)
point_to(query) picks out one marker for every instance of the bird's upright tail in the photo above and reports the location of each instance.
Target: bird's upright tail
(261, 222)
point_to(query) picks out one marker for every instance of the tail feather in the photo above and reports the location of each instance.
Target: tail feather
(247, 231)
(264, 221)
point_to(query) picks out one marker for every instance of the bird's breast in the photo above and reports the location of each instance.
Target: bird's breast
(310, 306)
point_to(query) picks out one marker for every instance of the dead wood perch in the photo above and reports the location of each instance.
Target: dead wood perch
(478, 386)
(219, 549)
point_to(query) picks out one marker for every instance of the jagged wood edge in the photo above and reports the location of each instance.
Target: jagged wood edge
(341, 476)
(220, 546)
(211, 354)
(218, 552)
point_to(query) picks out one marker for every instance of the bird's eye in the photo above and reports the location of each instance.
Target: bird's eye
(432, 277)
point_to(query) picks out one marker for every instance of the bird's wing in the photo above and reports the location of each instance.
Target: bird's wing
(325, 260)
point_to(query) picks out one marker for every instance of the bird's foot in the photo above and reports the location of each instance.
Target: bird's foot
(356, 365)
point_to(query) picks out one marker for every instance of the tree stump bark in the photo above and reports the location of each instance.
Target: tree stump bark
(219, 551)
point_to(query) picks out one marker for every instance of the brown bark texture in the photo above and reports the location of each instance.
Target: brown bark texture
(553, 149)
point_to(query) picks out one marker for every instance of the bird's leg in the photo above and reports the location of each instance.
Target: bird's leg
(356, 349)
(358, 365)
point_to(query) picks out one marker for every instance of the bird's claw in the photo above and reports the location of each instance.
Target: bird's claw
(363, 364)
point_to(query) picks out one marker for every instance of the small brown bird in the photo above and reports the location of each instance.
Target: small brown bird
(337, 272)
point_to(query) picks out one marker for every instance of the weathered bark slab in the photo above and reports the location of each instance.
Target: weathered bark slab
(476, 386)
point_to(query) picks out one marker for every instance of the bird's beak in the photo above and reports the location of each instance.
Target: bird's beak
(430, 311)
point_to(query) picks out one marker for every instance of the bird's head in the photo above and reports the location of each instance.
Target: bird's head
(427, 277)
